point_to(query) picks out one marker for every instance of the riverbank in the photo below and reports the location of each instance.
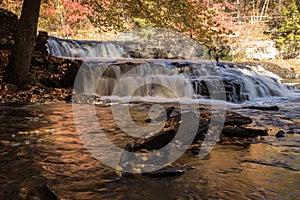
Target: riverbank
(49, 79)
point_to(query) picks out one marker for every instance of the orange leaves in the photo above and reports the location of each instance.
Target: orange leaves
(76, 10)
(65, 17)
(66, 29)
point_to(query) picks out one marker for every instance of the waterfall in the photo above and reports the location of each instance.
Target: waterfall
(85, 49)
(150, 48)
(162, 77)
(127, 79)
(176, 79)
(253, 82)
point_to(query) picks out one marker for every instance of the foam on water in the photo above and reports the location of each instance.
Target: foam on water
(258, 69)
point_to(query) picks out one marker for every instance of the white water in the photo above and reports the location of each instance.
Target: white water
(257, 82)
(153, 47)
(77, 49)
(177, 80)
(141, 80)
(164, 78)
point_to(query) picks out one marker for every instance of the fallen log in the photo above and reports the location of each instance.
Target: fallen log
(168, 171)
(265, 108)
(242, 132)
(156, 141)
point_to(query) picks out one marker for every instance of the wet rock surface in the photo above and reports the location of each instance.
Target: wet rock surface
(235, 131)
(280, 134)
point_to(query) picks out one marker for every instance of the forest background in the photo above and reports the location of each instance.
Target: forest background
(236, 23)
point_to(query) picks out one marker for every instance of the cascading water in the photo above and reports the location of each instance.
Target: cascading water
(160, 45)
(162, 78)
(127, 79)
(85, 49)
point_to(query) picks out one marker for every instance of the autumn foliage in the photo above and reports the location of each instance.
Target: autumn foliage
(207, 21)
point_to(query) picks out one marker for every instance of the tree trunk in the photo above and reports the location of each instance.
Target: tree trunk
(20, 60)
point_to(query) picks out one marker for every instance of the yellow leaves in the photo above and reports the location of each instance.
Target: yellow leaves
(23, 133)
(36, 132)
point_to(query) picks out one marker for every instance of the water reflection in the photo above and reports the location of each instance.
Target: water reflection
(40, 145)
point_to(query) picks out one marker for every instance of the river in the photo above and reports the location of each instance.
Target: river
(45, 156)
(40, 145)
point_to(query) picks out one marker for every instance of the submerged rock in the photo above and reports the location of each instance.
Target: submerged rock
(233, 133)
(233, 127)
(280, 133)
(235, 119)
(36, 188)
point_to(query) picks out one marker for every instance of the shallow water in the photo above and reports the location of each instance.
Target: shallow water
(39, 143)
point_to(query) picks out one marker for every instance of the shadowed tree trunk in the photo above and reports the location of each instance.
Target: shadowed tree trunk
(20, 60)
